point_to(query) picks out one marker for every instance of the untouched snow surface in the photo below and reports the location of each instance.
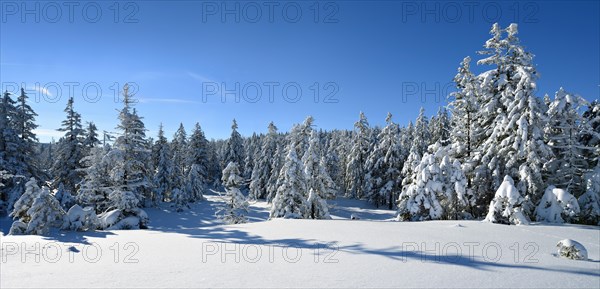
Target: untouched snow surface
(192, 249)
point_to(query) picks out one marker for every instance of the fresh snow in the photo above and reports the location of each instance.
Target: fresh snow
(194, 249)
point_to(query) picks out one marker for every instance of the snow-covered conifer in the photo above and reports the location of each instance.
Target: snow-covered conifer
(67, 167)
(235, 208)
(263, 165)
(290, 200)
(233, 151)
(355, 168)
(506, 208)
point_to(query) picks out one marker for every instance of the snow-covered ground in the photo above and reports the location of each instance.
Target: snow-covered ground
(192, 249)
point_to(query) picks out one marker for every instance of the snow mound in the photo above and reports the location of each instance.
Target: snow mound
(571, 249)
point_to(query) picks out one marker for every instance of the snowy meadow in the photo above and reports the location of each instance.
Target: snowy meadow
(499, 188)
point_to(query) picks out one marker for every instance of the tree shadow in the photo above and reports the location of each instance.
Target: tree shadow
(396, 253)
(76, 237)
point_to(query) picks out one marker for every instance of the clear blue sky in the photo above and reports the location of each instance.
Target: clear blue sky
(371, 53)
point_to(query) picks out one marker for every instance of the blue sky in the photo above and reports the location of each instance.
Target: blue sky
(363, 56)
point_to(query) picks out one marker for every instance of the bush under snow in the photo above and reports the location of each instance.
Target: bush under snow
(571, 249)
(506, 207)
(557, 206)
(81, 219)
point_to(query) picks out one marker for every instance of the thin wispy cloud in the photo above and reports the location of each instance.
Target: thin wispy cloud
(40, 89)
(200, 77)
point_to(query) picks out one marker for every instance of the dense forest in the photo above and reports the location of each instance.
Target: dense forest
(496, 152)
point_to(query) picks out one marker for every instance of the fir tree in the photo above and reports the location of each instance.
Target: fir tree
(67, 167)
(233, 151)
(235, 207)
(355, 168)
(263, 165)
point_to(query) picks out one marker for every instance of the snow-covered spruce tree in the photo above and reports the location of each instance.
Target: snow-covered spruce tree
(194, 183)
(355, 168)
(179, 150)
(5, 177)
(129, 173)
(163, 175)
(23, 121)
(511, 118)
(235, 207)
(277, 162)
(333, 160)
(90, 137)
(23, 204)
(198, 158)
(125, 212)
(392, 162)
(70, 150)
(506, 207)
(557, 206)
(233, 151)
(96, 185)
(290, 200)
(419, 200)
(45, 213)
(591, 138)
(440, 127)
(131, 155)
(437, 189)
(409, 168)
(317, 207)
(252, 146)
(319, 184)
(263, 165)
(563, 133)
(64, 197)
(421, 134)
(9, 160)
(590, 201)
(180, 199)
(35, 211)
(464, 106)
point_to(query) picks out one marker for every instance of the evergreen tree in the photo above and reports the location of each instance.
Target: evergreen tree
(355, 168)
(90, 139)
(385, 164)
(234, 209)
(464, 130)
(507, 205)
(179, 149)
(290, 200)
(233, 151)
(437, 189)
(67, 167)
(563, 133)
(96, 185)
(45, 213)
(263, 165)
(511, 118)
(24, 124)
(441, 127)
(277, 162)
(130, 155)
(198, 160)
(589, 202)
(317, 178)
(163, 176)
